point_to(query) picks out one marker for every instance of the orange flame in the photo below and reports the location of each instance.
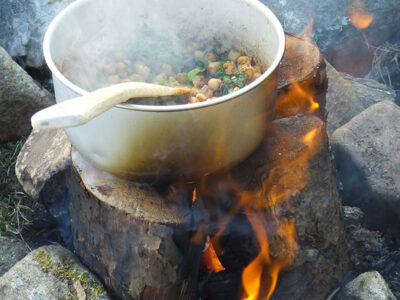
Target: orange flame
(297, 100)
(359, 16)
(210, 259)
(255, 282)
(194, 195)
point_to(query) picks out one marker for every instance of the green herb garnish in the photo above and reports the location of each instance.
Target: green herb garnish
(163, 82)
(192, 73)
(240, 79)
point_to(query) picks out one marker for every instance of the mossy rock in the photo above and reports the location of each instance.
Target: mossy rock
(50, 272)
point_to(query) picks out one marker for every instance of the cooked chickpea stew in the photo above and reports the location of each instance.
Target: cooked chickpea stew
(208, 74)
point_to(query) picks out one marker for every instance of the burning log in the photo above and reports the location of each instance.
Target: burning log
(133, 238)
(302, 81)
(287, 192)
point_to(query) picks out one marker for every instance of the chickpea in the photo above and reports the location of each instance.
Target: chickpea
(193, 100)
(229, 67)
(257, 69)
(167, 69)
(208, 93)
(211, 57)
(193, 47)
(247, 69)
(181, 77)
(244, 60)
(214, 84)
(201, 97)
(234, 54)
(160, 77)
(198, 81)
(213, 67)
(236, 88)
(198, 54)
(142, 69)
(121, 66)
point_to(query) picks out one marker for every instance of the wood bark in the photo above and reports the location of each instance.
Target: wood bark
(302, 76)
(135, 239)
(138, 239)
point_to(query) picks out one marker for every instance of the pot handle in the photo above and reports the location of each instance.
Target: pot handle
(78, 111)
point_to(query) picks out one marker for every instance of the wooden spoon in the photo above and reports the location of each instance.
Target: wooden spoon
(80, 110)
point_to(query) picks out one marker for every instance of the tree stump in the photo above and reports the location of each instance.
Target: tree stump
(288, 183)
(141, 240)
(136, 239)
(302, 79)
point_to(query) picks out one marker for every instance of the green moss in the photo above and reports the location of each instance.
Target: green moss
(68, 273)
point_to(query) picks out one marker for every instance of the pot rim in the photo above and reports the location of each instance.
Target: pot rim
(164, 108)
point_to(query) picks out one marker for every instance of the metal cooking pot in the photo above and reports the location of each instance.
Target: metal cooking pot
(148, 141)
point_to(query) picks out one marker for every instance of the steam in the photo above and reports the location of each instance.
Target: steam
(156, 37)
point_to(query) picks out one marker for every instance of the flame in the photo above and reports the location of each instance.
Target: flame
(257, 284)
(194, 195)
(359, 16)
(210, 259)
(298, 99)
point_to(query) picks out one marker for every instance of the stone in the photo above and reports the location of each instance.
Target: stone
(11, 251)
(367, 286)
(20, 98)
(41, 168)
(346, 47)
(367, 158)
(348, 96)
(23, 25)
(50, 272)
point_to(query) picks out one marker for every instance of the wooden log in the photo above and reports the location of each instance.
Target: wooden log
(135, 239)
(287, 181)
(302, 79)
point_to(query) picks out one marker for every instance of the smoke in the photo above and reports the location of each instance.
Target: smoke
(153, 32)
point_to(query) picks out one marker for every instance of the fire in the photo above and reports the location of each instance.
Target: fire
(359, 16)
(298, 99)
(194, 195)
(210, 259)
(260, 277)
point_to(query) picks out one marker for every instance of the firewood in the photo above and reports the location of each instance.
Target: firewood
(302, 76)
(135, 239)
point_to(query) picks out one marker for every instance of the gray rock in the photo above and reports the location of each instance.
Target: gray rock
(41, 168)
(367, 286)
(45, 154)
(47, 273)
(346, 47)
(367, 157)
(11, 251)
(348, 96)
(23, 24)
(20, 97)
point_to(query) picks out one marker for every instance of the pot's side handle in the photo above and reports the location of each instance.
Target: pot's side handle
(80, 110)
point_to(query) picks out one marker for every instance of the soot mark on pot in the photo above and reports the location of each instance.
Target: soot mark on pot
(105, 190)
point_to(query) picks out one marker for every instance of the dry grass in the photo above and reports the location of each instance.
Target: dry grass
(15, 205)
(384, 56)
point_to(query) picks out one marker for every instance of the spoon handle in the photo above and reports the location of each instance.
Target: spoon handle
(78, 111)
